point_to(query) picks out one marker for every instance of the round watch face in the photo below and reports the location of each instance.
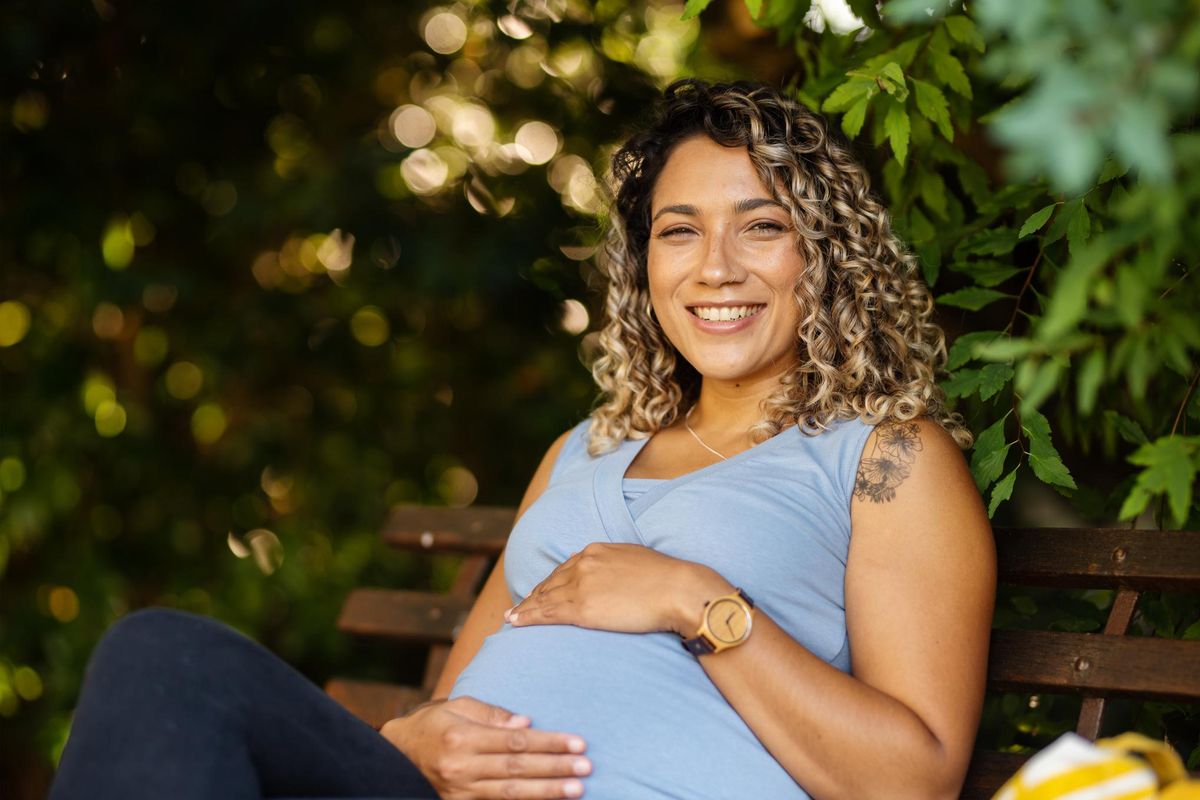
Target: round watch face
(727, 621)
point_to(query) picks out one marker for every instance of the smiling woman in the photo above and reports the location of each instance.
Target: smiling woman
(758, 565)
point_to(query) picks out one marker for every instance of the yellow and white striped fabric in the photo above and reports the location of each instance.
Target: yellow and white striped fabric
(1125, 767)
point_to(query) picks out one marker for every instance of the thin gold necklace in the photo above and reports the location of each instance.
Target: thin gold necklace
(686, 420)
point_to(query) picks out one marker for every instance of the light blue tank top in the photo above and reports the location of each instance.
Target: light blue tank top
(774, 520)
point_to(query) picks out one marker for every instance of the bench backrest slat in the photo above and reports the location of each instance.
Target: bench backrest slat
(406, 616)
(1095, 664)
(477, 529)
(1099, 558)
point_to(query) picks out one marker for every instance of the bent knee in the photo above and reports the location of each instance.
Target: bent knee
(161, 636)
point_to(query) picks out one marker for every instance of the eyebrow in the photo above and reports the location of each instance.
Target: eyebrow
(740, 207)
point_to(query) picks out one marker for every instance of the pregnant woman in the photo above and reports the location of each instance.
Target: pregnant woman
(759, 569)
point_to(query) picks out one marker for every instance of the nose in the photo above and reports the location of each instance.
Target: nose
(721, 263)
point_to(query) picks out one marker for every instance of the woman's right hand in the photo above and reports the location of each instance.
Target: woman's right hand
(470, 750)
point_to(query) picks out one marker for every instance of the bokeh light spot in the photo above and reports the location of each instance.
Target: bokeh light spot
(110, 418)
(445, 33)
(26, 682)
(64, 605)
(458, 487)
(538, 142)
(473, 125)
(159, 297)
(184, 380)
(150, 346)
(208, 423)
(12, 474)
(14, 322)
(514, 27)
(97, 389)
(117, 244)
(424, 171)
(574, 319)
(108, 321)
(369, 326)
(336, 251)
(413, 126)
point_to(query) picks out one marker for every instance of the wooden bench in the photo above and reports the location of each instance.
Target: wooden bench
(1097, 666)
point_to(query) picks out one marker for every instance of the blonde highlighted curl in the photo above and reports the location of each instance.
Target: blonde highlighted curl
(867, 343)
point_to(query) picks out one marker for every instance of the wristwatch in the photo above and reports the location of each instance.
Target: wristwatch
(726, 623)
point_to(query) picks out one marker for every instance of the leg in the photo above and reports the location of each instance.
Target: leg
(176, 705)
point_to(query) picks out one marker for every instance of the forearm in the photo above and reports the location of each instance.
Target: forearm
(837, 736)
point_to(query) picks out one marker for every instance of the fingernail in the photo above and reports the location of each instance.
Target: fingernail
(507, 612)
(519, 719)
(572, 788)
(513, 619)
(575, 745)
(582, 766)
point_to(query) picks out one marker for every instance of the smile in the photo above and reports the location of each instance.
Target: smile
(725, 313)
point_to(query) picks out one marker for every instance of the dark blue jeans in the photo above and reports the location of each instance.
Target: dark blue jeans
(179, 706)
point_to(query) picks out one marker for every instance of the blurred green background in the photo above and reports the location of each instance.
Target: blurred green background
(268, 269)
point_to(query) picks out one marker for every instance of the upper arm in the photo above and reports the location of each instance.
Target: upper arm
(487, 614)
(921, 581)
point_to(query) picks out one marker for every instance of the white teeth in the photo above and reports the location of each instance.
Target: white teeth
(725, 313)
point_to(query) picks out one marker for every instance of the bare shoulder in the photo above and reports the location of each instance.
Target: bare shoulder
(904, 457)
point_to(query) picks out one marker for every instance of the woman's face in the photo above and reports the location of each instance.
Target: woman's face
(722, 264)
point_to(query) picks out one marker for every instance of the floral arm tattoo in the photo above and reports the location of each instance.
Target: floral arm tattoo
(889, 462)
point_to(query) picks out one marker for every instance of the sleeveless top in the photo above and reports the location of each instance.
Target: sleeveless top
(774, 520)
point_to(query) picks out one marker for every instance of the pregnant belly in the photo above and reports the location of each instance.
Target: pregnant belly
(655, 725)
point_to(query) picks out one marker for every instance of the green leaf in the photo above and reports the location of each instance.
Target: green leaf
(1078, 228)
(1091, 373)
(1001, 492)
(933, 106)
(933, 193)
(1135, 502)
(987, 457)
(1043, 457)
(992, 379)
(896, 125)
(1126, 428)
(972, 298)
(961, 350)
(1170, 468)
(1025, 605)
(987, 273)
(847, 94)
(920, 228)
(962, 30)
(1192, 632)
(1004, 349)
(1036, 220)
(1068, 300)
(950, 72)
(1036, 385)
(961, 383)
(852, 120)
(692, 8)
(754, 7)
(892, 78)
(991, 242)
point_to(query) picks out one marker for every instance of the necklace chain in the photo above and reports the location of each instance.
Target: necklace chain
(686, 423)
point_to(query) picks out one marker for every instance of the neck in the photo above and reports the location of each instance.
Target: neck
(732, 407)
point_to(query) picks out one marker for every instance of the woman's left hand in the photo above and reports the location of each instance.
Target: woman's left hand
(621, 587)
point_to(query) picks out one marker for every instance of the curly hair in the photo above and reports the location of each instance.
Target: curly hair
(866, 343)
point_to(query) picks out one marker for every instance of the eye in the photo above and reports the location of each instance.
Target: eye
(767, 226)
(673, 232)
